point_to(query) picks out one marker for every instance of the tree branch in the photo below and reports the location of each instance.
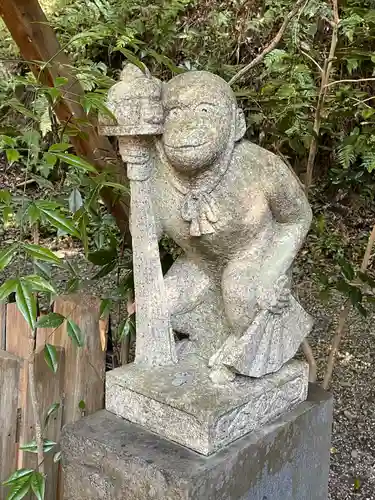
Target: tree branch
(327, 68)
(344, 316)
(350, 81)
(35, 404)
(271, 46)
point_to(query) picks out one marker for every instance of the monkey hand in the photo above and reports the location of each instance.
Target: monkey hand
(276, 297)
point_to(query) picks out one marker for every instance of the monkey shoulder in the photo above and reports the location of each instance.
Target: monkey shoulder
(255, 166)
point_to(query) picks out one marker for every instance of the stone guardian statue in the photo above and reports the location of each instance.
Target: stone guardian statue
(240, 216)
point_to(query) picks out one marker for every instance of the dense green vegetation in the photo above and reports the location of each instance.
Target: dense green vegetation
(285, 111)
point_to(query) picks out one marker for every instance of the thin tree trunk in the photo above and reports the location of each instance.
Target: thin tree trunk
(327, 68)
(344, 316)
(36, 406)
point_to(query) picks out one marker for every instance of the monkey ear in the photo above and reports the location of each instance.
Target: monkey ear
(240, 125)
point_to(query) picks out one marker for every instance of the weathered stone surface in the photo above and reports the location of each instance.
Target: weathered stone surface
(107, 458)
(181, 403)
(235, 209)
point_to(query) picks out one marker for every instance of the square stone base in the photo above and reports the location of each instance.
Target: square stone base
(107, 458)
(181, 403)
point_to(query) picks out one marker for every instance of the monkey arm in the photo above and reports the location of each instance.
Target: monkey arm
(292, 216)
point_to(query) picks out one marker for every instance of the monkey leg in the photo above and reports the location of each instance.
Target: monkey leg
(196, 307)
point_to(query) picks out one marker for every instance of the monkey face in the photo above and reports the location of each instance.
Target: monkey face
(198, 120)
(196, 134)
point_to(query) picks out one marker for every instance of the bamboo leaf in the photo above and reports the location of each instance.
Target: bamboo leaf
(103, 257)
(75, 200)
(51, 410)
(7, 255)
(60, 222)
(105, 307)
(51, 320)
(75, 332)
(7, 288)
(17, 475)
(59, 147)
(20, 489)
(26, 302)
(76, 161)
(50, 356)
(39, 284)
(41, 253)
(31, 447)
(38, 485)
(57, 457)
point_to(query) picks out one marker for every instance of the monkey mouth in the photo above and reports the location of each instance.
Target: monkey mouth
(185, 146)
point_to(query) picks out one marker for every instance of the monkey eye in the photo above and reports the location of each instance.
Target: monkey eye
(204, 107)
(174, 112)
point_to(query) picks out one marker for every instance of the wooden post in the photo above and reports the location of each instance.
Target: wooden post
(9, 379)
(38, 44)
(84, 366)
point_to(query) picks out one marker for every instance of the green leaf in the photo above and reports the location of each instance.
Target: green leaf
(51, 410)
(39, 284)
(76, 161)
(33, 213)
(60, 80)
(42, 269)
(60, 222)
(5, 196)
(12, 155)
(31, 447)
(75, 200)
(347, 269)
(41, 253)
(83, 223)
(365, 278)
(17, 475)
(115, 185)
(82, 405)
(26, 302)
(38, 485)
(7, 255)
(20, 489)
(57, 457)
(355, 296)
(74, 332)
(124, 329)
(50, 356)
(60, 147)
(51, 320)
(72, 286)
(132, 58)
(105, 307)
(7, 212)
(103, 257)
(7, 288)
(105, 270)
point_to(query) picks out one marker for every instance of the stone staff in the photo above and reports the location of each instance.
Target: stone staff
(135, 102)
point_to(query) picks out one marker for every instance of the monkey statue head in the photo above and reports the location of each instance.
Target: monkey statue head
(202, 121)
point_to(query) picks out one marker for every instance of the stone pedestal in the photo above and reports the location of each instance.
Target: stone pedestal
(181, 403)
(108, 458)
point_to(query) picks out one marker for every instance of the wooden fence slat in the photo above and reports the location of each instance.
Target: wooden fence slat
(3, 309)
(84, 366)
(9, 379)
(18, 335)
(50, 390)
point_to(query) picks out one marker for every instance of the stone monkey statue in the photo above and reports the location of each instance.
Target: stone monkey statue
(240, 216)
